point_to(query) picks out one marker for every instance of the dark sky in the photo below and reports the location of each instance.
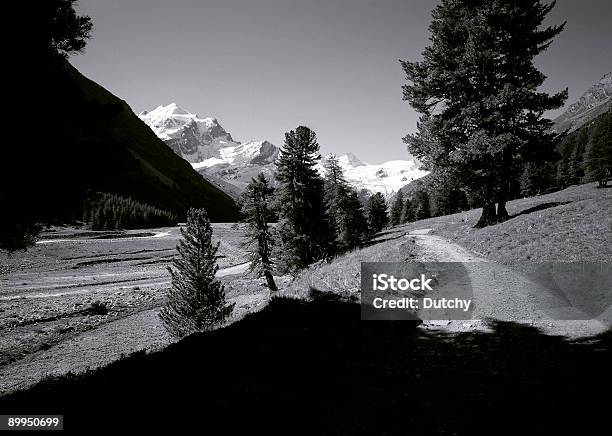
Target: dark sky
(263, 67)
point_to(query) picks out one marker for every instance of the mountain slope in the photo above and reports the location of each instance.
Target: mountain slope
(594, 102)
(84, 139)
(231, 165)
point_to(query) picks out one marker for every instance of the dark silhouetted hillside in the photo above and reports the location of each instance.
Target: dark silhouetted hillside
(79, 139)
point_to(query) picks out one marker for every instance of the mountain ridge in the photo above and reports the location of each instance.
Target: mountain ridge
(593, 102)
(231, 165)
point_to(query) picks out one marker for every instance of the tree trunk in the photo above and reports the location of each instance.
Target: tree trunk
(488, 216)
(270, 280)
(502, 198)
(502, 213)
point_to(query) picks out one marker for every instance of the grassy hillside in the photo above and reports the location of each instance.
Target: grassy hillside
(301, 367)
(568, 225)
(84, 139)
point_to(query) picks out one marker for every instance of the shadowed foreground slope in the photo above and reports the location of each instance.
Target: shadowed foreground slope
(299, 367)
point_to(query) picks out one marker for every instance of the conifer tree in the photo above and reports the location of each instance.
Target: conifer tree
(446, 200)
(576, 159)
(255, 208)
(477, 91)
(196, 299)
(378, 218)
(59, 29)
(344, 211)
(537, 178)
(396, 209)
(563, 178)
(599, 162)
(105, 211)
(408, 211)
(598, 159)
(423, 209)
(303, 224)
(335, 188)
(354, 225)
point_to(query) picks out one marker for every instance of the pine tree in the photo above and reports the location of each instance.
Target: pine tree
(378, 218)
(255, 207)
(354, 225)
(59, 29)
(563, 177)
(408, 211)
(303, 224)
(576, 159)
(423, 209)
(104, 211)
(396, 209)
(196, 299)
(446, 200)
(477, 91)
(598, 160)
(537, 179)
(344, 211)
(335, 188)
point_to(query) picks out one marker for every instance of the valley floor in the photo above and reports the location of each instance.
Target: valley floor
(82, 299)
(79, 300)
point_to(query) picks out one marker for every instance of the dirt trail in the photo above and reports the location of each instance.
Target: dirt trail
(514, 297)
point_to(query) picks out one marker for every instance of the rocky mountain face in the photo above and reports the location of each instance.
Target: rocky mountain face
(230, 165)
(189, 136)
(594, 102)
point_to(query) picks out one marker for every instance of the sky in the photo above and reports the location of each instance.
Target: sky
(263, 67)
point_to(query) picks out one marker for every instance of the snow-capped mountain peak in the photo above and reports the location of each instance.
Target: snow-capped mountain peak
(190, 136)
(349, 159)
(231, 165)
(386, 178)
(167, 120)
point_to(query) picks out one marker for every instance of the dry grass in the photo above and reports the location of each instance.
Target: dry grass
(574, 224)
(580, 229)
(342, 274)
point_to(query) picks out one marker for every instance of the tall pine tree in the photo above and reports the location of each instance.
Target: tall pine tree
(196, 299)
(255, 207)
(346, 216)
(335, 192)
(378, 218)
(354, 229)
(408, 211)
(422, 208)
(598, 157)
(303, 224)
(396, 209)
(477, 91)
